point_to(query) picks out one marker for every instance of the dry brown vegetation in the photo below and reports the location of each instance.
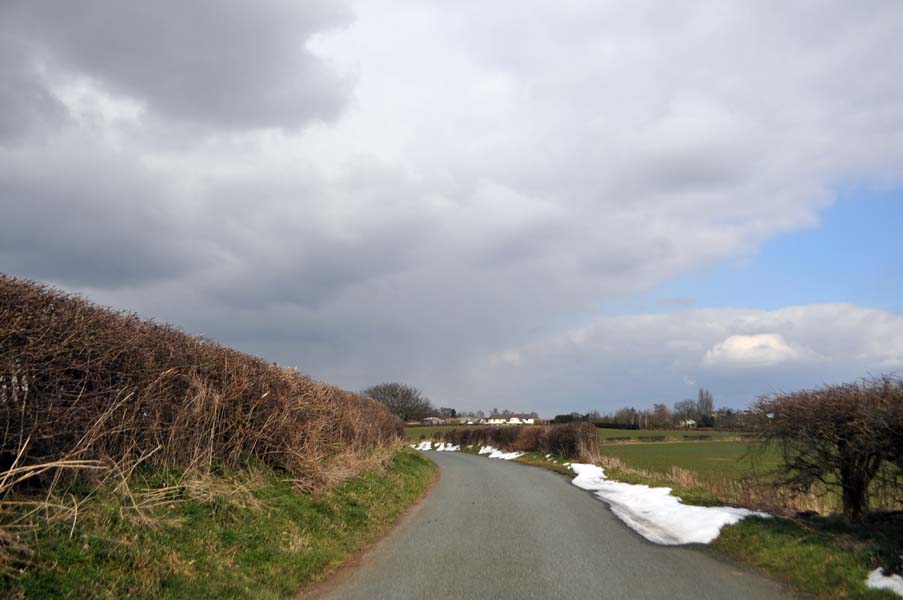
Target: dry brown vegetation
(575, 441)
(80, 382)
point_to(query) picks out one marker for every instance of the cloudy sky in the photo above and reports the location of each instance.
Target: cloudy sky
(546, 206)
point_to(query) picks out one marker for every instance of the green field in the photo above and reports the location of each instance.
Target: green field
(709, 460)
(608, 436)
(663, 435)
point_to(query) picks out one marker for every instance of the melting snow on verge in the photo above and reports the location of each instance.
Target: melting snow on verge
(496, 453)
(878, 581)
(440, 447)
(657, 515)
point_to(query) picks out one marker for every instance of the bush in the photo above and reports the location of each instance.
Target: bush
(841, 436)
(575, 441)
(404, 401)
(81, 381)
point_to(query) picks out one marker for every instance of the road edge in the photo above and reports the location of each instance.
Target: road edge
(335, 575)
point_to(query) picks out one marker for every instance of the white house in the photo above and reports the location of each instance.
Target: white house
(689, 424)
(496, 421)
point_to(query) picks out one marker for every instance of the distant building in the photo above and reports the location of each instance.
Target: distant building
(434, 421)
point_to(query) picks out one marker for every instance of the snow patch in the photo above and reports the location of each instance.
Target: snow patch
(654, 513)
(877, 580)
(496, 453)
(440, 447)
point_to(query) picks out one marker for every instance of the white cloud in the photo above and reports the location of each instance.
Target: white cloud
(761, 350)
(738, 353)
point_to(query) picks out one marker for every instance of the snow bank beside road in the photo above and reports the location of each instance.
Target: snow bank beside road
(440, 447)
(444, 447)
(878, 581)
(496, 453)
(654, 513)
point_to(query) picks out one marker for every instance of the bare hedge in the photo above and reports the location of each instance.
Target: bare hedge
(575, 441)
(78, 380)
(846, 437)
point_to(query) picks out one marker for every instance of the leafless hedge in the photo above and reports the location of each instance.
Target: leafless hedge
(78, 381)
(575, 441)
(847, 438)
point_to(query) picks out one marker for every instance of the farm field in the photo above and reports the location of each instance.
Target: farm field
(607, 436)
(669, 435)
(710, 461)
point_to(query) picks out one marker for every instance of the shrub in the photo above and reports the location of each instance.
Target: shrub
(404, 401)
(81, 381)
(841, 436)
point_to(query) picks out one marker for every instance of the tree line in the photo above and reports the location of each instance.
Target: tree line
(700, 412)
(411, 404)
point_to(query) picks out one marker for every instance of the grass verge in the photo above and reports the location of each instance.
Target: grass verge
(232, 534)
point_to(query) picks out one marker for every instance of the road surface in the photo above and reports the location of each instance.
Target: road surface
(494, 530)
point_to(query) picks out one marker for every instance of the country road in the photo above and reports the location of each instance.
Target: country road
(493, 529)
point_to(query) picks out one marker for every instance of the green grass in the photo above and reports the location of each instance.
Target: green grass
(818, 557)
(263, 543)
(663, 435)
(607, 436)
(709, 460)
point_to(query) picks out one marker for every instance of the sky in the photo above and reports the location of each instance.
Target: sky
(526, 205)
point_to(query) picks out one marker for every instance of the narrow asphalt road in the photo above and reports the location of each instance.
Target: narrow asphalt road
(493, 529)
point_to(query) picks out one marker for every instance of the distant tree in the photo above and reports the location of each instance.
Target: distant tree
(686, 409)
(405, 401)
(661, 415)
(564, 418)
(725, 418)
(705, 403)
(448, 413)
(480, 414)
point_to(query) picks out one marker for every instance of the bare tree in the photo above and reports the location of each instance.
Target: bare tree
(705, 403)
(686, 409)
(836, 436)
(661, 415)
(405, 401)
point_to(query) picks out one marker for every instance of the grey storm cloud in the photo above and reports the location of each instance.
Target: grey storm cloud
(427, 191)
(229, 64)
